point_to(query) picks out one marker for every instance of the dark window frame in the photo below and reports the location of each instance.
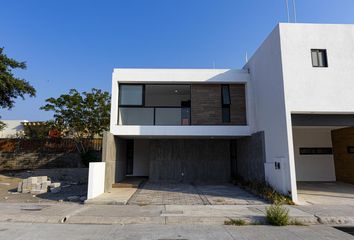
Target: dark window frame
(130, 157)
(128, 105)
(154, 107)
(225, 107)
(316, 151)
(317, 51)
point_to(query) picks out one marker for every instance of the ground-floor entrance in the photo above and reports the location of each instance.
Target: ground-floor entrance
(324, 158)
(180, 160)
(182, 171)
(205, 160)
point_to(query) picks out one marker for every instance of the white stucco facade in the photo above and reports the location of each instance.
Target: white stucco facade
(176, 76)
(280, 80)
(284, 82)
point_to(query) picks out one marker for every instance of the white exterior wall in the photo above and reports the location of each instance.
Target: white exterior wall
(316, 90)
(269, 110)
(13, 128)
(173, 76)
(283, 82)
(313, 167)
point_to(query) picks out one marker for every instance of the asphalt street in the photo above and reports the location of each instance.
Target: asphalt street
(40, 231)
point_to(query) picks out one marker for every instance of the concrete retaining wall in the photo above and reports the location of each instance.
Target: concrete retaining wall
(20, 161)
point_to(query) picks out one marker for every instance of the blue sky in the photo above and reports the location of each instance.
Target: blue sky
(76, 43)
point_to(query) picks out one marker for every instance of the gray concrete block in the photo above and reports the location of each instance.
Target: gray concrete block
(250, 157)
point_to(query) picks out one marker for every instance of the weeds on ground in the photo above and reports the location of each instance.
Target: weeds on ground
(235, 222)
(277, 215)
(265, 191)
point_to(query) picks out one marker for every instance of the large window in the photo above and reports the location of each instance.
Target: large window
(157, 95)
(131, 95)
(154, 104)
(319, 58)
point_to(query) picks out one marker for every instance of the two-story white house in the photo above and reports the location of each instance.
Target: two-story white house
(280, 119)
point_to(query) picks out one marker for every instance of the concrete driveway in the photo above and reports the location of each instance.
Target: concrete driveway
(325, 193)
(164, 193)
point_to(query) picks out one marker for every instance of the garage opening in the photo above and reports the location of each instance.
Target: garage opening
(324, 157)
(205, 160)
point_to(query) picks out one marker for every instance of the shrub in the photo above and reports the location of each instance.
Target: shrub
(277, 215)
(236, 222)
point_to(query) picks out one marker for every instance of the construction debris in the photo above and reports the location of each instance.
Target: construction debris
(38, 185)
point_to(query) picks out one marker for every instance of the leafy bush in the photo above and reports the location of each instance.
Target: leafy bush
(236, 222)
(277, 215)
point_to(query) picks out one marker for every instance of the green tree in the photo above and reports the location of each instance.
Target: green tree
(12, 87)
(80, 115)
(2, 126)
(36, 131)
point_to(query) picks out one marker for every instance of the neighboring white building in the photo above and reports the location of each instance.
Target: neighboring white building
(271, 121)
(13, 129)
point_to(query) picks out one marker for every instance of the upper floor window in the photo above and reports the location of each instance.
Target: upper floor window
(131, 95)
(225, 94)
(319, 57)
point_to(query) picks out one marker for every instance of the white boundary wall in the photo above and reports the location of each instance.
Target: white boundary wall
(96, 179)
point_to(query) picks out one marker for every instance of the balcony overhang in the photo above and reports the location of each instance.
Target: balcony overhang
(181, 131)
(188, 76)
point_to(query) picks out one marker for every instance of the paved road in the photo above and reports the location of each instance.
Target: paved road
(24, 231)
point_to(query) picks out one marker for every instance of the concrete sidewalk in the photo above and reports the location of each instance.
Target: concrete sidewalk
(156, 214)
(117, 196)
(331, 214)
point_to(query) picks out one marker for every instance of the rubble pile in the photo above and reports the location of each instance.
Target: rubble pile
(38, 185)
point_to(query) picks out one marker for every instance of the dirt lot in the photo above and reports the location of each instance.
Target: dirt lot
(73, 182)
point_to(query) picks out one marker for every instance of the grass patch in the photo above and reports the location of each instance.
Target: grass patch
(277, 215)
(235, 222)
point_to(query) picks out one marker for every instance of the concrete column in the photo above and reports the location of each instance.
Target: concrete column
(109, 156)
